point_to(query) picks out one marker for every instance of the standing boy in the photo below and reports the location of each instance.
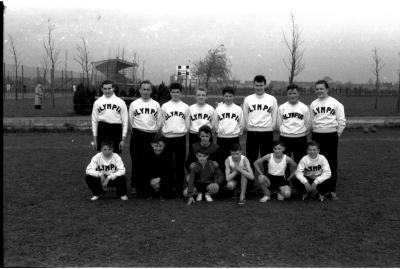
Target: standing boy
(201, 114)
(106, 169)
(228, 122)
(294, 123)
(328, 122)
(312, 174)
(238, 169)
(145, 119)
(259, 110)
(109, 118)
(176, 121)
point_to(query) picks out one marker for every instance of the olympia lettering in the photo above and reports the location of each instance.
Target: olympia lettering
(175, 113)
(109, 106)
(324, 110)
(260, 107)
(144, 110)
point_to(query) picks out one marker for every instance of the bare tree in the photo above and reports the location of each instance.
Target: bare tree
(17, 63)
(215, 65)
(377, 67)
(295, 62)
(82, 58)
(45, 66)
(52, 54)
(66, 67)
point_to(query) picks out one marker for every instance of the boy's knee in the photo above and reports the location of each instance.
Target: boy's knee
(231, 185)
(285, 191)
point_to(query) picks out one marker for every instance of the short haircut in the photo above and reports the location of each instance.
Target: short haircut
(206, 129)
(321, 81)
(277, 143)
(203, 151)
(235, 147)
(260, 78)
(105, 82)
(107, 142)
(158, 138)
(201, 89)
(292, 87)
(228, 89)
(175, 85)
(145, 82)
(313, 143)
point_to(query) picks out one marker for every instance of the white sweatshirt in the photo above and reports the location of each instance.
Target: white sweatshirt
(176, 119)
(327, 116)
(228, 121)
(110, 110)
(145, 115)
(260, 112)
(199, 116)
(317, 168)
(293, 120)
(114, 166)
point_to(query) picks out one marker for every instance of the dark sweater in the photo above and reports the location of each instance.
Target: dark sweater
(208, 174)
(212, 149)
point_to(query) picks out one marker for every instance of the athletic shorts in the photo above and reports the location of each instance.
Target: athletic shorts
(277, 181)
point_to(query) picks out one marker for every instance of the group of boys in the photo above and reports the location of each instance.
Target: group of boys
(158, 144)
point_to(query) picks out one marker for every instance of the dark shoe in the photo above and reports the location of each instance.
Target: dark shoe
(242, 202)
(334, 196)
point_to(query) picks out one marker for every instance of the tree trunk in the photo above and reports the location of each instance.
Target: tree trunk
(16, 82)
(207, 78)
(22, 81)
(52, 85)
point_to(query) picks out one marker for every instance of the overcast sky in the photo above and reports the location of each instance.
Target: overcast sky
(339, 36)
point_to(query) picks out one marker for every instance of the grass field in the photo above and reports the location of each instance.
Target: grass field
(50, 222)
(354, 106)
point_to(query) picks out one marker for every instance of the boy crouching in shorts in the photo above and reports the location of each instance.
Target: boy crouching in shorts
(313, 174)
(275, 179)
(238, 169)
(205, 177)
(106, 169)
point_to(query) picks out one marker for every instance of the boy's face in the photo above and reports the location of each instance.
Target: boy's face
(279, 149)
(202, 158)
(228, 98)
(107, 90)
(145, 91)
(201, 97)
(176, 95)
(313, 151)
(158, 147)
(321, 91)
(259, 87)
(236, 155)
(204, 138)
(107, 151)
(293, 96)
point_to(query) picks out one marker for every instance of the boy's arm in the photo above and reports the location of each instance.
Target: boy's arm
(326, 172)
(187, 118)
(341, 119)
(91, 168)
(130, 114)
(300, 172)
(311, 116)
(228, 174)
(279, 119)
(124, 118)
(245, 112)
(247, 172)
(159, 118)
(274, 115)
(215, 121)
(242, 123)
(292, 166)
(192, 176)
(218, 176)
(120, 170)
(258, 162)
(95, 121)
(307, 119)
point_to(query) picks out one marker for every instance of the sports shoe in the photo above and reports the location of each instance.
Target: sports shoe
(264, 199)
(242, 202)
(134, 191)
(280, 197)
(236, 194)
(94, 198)
(199, 197)
(334, 196)
(321, 197)
(304, 196)
(208, 197)
(124, 198)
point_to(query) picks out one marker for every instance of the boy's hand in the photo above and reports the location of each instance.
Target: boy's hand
(94, 144)
(308, 186)
(111, 177)
(313, 187)
(190, 201)
(262, 177)
(121, 144)
(102, 177)
(192, 165)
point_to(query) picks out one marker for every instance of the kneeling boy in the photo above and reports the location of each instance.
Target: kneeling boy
(238, 169)
(275, 178)
(313, 173)
(106, 169)
(205, 177)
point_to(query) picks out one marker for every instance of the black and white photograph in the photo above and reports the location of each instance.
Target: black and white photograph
(201, 134)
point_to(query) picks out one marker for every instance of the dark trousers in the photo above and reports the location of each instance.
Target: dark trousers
(140, 145)
(193, 138)
(38, 107)
(296, 146)
(322, 188)
(329, 148)
(94, 184)
(176, 146)
(112, 131)
(225, 145)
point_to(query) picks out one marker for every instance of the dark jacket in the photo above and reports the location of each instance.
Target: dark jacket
(212, 149)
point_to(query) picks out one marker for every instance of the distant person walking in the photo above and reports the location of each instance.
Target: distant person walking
(8, 86)
(38, 96)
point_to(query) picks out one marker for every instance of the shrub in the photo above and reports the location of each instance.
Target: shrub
(83, 100)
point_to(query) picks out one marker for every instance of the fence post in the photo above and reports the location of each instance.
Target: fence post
(62, 83)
